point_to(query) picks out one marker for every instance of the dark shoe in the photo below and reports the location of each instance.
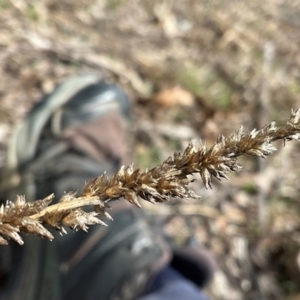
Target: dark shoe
(117, 262)
(71, 136)
(49, 141)
(78, 100)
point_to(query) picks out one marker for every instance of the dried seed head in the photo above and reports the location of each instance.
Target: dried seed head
(159, 184)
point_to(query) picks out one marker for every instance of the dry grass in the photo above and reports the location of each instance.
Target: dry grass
(159, 184)
(240, 61)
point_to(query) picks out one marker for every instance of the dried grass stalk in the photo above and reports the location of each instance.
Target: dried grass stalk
(159, 184)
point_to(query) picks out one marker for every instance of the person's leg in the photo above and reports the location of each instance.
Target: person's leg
(176, 287)
(189, 270)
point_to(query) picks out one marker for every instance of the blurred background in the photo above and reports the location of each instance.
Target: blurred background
(193, 70)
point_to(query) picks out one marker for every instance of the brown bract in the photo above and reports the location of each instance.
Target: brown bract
(159, 184)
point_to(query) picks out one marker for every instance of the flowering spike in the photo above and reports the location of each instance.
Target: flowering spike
(159, 184)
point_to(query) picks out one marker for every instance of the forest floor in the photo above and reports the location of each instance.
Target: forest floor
(193, 70)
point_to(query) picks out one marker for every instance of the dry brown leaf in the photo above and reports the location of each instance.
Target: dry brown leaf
(174, 96)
